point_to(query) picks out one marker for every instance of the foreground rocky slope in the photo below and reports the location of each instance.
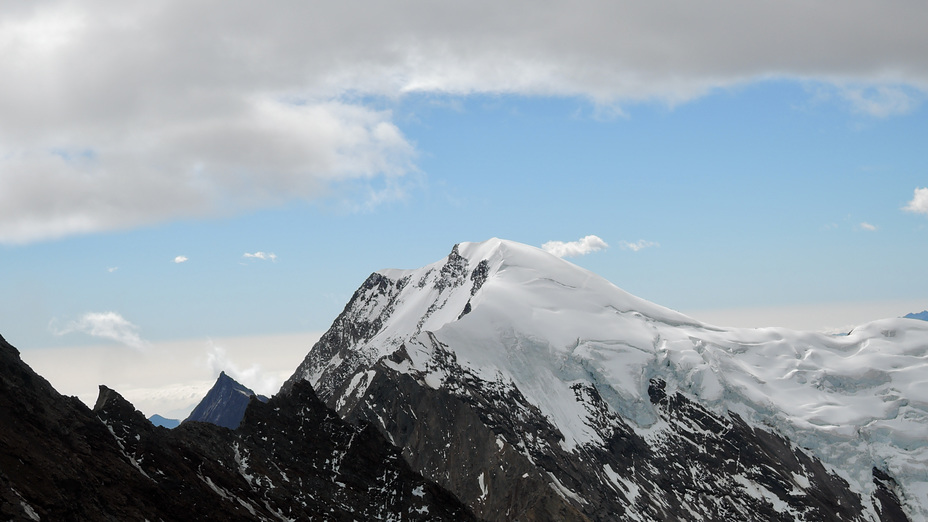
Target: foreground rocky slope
(291, 459)
(535, 390)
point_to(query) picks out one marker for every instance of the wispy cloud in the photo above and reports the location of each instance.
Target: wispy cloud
(581, 247)
(105, 325)
(181, 259)
(641, 244)
(919, 203)
(217, 358)
(867, 226)
(266, 256)
(112, 269)
(881, 101)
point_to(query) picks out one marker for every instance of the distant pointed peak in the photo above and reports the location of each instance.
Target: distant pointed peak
(224, 403)
(225, 381)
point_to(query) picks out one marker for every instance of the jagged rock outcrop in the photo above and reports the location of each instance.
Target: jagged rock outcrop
(290, 459)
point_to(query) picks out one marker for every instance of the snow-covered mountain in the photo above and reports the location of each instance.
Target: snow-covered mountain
(224, 404)
(506, 374)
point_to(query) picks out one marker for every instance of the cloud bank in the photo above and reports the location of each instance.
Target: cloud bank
(163, 378)
(105, 325)
(115, 115)
(581, 247)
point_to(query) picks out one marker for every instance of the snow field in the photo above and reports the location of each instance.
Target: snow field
(542, 324)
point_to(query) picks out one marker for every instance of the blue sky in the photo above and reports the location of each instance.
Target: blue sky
(761, 182)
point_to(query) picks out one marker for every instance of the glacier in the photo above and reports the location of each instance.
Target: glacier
(519, 316)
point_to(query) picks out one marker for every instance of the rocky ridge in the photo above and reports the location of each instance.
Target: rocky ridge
(290, 459)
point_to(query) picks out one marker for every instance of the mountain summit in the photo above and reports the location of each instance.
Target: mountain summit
(225, 403)
(506, 374)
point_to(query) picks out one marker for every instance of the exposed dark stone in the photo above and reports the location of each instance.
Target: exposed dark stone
(445, 437)
(887, 501)
(466, 310)
(399, 355)
(291, 458)
(656, 391)
(454, 271)
(353, 325)
(479, 276)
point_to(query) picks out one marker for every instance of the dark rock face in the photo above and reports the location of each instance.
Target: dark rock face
(887, 497)
(354, 324)
(721, 468)
(224, 404)
(291, 458)
(454, 272)
(464, 444)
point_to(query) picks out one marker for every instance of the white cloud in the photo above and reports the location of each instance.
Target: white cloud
(261, 382)
(112, 269)
(919, 203)
(867, 226)
(181, 259)
(881, 101)
(105, 325)
(267, 256)
(641, 244)
(581, 247)
(119, 115)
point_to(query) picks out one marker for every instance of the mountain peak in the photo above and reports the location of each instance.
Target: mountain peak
(225, 403)
(516, 333)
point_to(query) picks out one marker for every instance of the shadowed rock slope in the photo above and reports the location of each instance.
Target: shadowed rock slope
(291, 459)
